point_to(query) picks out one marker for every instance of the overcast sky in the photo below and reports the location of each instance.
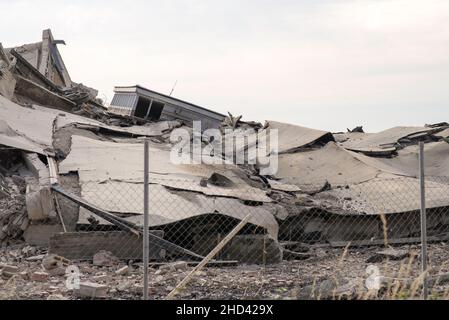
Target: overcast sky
(322, 64)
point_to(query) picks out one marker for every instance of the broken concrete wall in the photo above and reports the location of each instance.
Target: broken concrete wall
(40, 95)
(38, 234)
(84, 245)
(37, 168)
(40, 203)
(7, 79)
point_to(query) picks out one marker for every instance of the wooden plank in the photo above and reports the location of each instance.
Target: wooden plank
(208, 258)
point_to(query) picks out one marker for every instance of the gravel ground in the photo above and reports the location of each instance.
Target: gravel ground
(342, 272)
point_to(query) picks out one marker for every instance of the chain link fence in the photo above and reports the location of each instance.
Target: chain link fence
(322, 241)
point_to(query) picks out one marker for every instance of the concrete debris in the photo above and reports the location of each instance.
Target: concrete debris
(101, 278)
(387, 142)
(176, 266)
(292, 138)
(231, 121)
(391, 254)
(253, 249)
(123, 271)
(53, 261)
(124, 286)
(39, 276)
(39, 257)
(84, 245)
(105, 259)
(335, 288)
(62, 151)
(7, 271)
(285, 280)
(357, 129)
(39, 202)
(13, 214)
(92, 290)
(55, 297)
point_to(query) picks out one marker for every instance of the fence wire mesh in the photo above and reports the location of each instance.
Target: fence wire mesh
(328, 235)
(326, 240)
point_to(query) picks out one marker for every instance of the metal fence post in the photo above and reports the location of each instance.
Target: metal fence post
(423, 219)
(146, 242)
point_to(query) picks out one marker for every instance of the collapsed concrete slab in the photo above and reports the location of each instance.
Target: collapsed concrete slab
(388, 141)
(36, 126)
(8, 137)
(309, 170)
(293, 137)
(100, 161)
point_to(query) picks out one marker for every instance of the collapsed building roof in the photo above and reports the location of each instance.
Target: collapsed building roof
(387, 141)
(101, 163)
(58, 126)
(293, 137)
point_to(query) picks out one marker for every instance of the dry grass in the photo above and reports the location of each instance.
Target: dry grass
(9, 291)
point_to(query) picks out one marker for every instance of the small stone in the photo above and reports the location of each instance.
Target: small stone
(9, 271)
(39, 276)
(180, 265)
(8, 268)
(160, 272)
(35, 258)
(124, 286)
(391, 254)
(53, 261)
(137, 289)
(122, 271)
(59, 271)
(176, 266)
(104, 259)
(15, 253)
(24, 275)
(53, 289)
(7, 275)
(101, 277)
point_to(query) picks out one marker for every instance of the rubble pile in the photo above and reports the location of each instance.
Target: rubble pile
(13, 215)
(28, 272)
(62, 153)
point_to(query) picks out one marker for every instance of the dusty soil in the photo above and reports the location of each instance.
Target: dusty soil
(287, 280)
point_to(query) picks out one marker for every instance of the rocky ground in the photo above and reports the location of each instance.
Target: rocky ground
(29, 273)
